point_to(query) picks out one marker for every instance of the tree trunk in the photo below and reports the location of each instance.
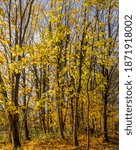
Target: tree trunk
(72, 115)
(105, 130)
(75, 128)
(27, 137)
(26, 132)
(105, 100)
(88, 120)
(15, 117)
(15, 131)
(43, 119)
(60, 121)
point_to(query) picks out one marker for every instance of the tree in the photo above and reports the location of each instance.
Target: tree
(59, 72)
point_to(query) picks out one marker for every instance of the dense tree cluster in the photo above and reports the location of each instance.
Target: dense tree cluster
(59, 68)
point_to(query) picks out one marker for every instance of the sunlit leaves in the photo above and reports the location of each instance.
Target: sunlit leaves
(68, 54)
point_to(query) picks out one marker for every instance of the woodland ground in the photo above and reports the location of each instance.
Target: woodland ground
(55, 143)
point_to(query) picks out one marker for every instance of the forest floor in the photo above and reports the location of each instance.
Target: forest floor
(59, 144)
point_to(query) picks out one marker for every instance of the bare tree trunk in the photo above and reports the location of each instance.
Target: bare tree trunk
(105, 129)
(75, 127)
(88, 112)
(15, 117)
(72, 115)
(26, 131)
(27, 137)
(105, 100)
(43, 119)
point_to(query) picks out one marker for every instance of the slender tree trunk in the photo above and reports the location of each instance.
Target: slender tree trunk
(15, 117)
(88, 119)
(43, 119)
(26, 131)
(75, 127)
(105, 100)
(105, 130)
(27, 137)
(72, 115)
(60, 121)
(58, 97)
(48, 119)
